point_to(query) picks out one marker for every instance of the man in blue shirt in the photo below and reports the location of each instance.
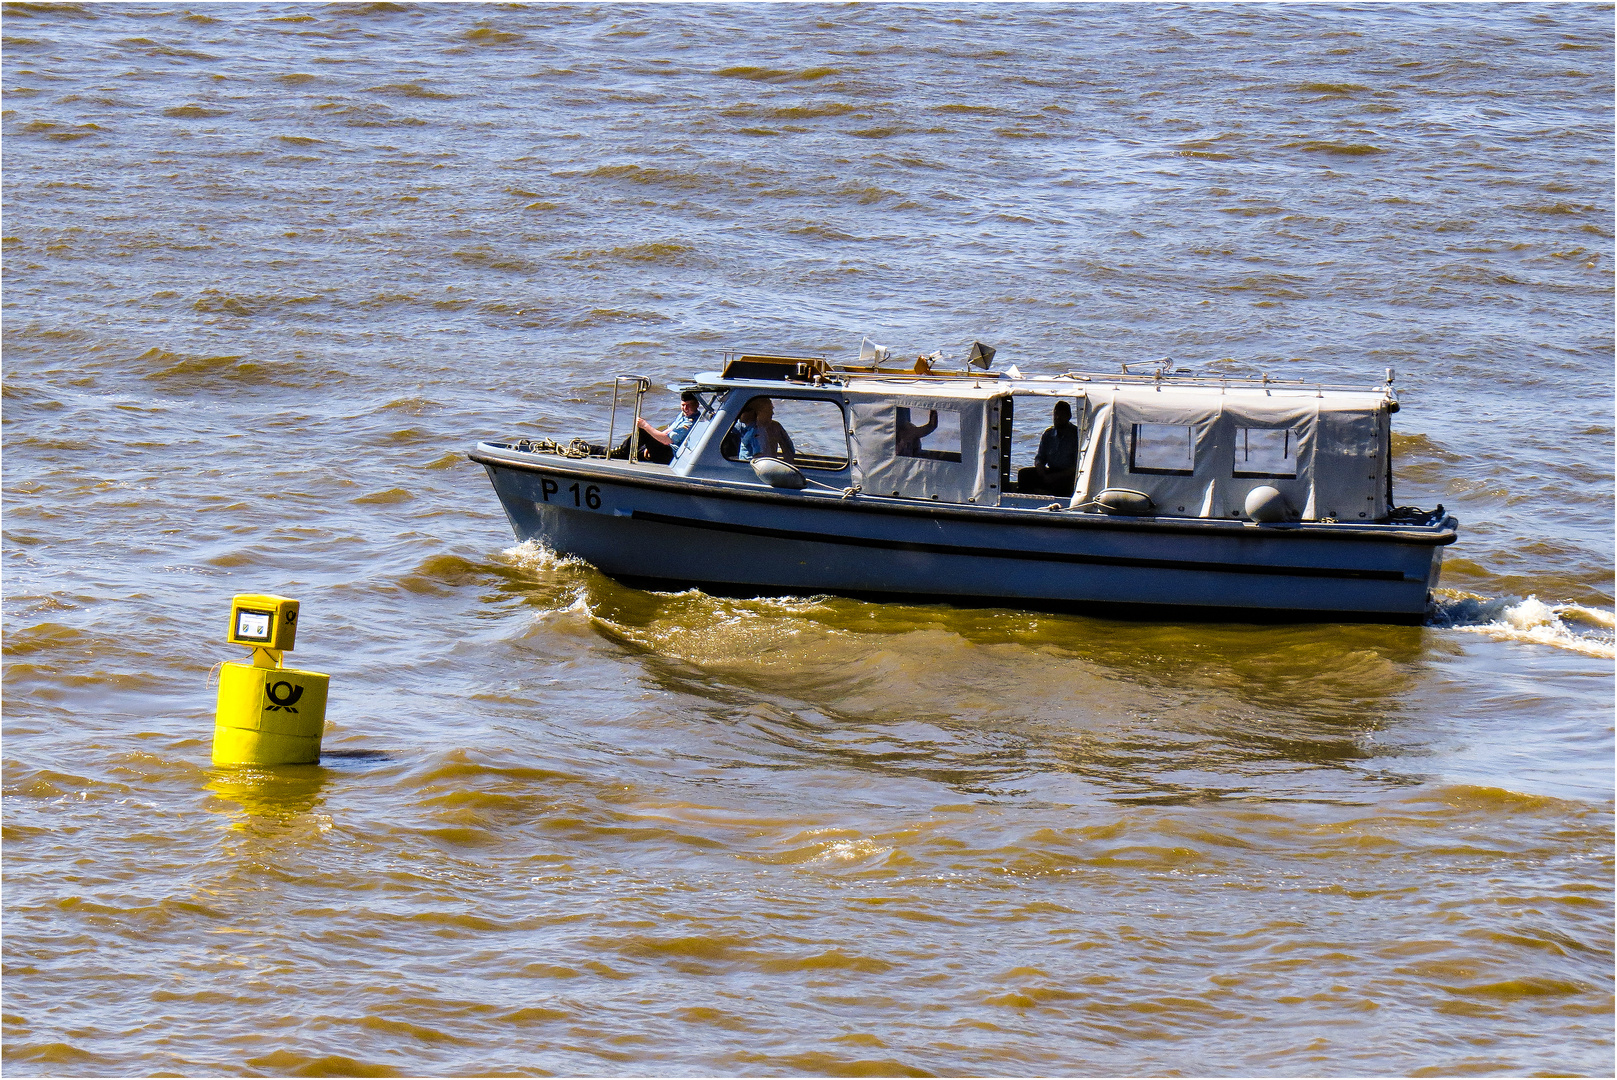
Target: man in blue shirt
(761, 435)
(660, 445)
(1055, 467)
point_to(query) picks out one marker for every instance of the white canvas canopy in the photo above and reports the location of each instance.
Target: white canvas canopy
(948, 464)
(1199, 450)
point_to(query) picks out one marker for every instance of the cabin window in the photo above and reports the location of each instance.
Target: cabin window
(1162, 449)
(1036, 414)
(1266, 452)
(932, 434)
(811, 433)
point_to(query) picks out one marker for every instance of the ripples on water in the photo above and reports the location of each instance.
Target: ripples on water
(270, 270)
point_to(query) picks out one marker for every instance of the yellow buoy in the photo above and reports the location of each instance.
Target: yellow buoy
(267, 714)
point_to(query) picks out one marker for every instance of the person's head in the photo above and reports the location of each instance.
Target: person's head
(1063, 414)
(760, 407)
(689, 403)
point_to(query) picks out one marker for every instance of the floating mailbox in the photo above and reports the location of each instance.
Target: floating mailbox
(263, 622)
(268, 714)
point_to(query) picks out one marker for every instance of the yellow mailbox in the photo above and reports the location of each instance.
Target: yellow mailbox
(263, 622)
(267, 714)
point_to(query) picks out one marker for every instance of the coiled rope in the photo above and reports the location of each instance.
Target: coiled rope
(577, 448)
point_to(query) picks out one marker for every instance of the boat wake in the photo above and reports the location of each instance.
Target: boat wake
(533, 557)
(1574, 627)
(1512, 618)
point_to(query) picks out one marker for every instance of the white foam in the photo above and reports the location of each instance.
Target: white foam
(533, 556)
(1579, 613)
(1514, 618)
(850, 851)
(734, 606)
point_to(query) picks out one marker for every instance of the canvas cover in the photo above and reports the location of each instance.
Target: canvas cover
(881, 469)
(1341, 445)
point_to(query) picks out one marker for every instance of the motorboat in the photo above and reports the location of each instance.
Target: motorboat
(1182, 494)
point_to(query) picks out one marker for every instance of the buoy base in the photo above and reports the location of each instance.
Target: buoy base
(269, 716)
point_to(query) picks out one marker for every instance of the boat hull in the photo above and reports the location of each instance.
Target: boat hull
(648, 527)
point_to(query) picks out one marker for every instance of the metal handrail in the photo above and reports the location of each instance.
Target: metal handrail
(641, 385)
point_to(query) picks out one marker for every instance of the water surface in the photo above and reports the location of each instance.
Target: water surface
(270, 271)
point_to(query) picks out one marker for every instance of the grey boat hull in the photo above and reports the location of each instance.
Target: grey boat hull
(644, 525)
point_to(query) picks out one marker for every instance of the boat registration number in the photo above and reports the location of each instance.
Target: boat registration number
(581, 494)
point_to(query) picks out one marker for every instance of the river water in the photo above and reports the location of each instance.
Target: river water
(271, 270)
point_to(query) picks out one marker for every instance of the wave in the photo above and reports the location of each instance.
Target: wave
(1512, 618)
(384, 498)
(608, 316)
(488, 35)
(882, 132)
(776, 75)
(213, 301)
(178, 54)
(367, 115)
(410, 90)
(668, 252)
(380, 7)
(483, 258)
(184, 112)
(413, 406)
(651, 175)
(1417, 444)
(181, 371)
(1332, 88)
(48, 129)
(810, 112)
(1563, 209)
(1317, 146)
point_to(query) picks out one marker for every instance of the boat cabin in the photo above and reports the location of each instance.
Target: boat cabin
(1199, 450)
(936, 440)
(1189, 447)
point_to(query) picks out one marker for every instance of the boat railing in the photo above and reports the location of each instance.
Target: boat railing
(1165, 372)
(639, 384)
(1095, 378)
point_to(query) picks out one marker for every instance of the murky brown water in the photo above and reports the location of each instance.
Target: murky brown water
(271, 270)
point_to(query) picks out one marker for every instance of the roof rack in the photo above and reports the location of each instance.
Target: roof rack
(752, 366)
(738, 365)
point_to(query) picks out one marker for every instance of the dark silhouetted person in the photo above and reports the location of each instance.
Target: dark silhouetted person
(1055, 466)
(907, 436)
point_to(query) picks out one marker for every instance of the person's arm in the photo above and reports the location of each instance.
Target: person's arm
(748, 447)
(776, 442)
(660, 436)
(931, 426)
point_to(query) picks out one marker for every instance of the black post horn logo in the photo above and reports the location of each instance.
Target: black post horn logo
(283, 694)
